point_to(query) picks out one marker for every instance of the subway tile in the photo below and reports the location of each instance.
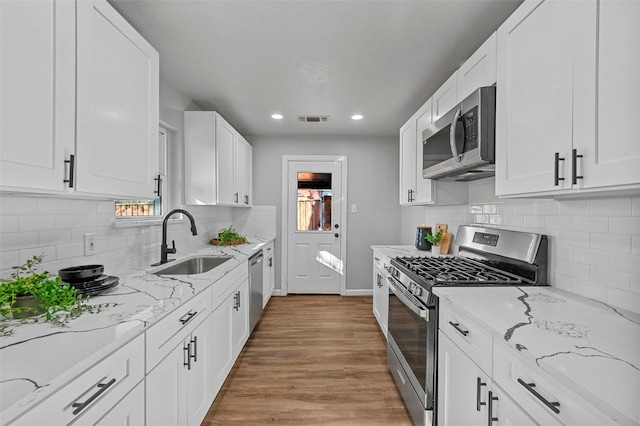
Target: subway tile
(481, 219)
(625, 262)
(54, 237)
(8, 260)
(70, 221)
(54, 206)
(33, 222)
(624, 299)
(84, 206)
(611, 207)
(559, 222)
(572, 238)
(563, 282)
(574, 207)
(18, 241)
(506, 208)
(591, 290)
(610, 242)
(47, 253)
(17, 205)
(625, 225)
(591, 223)
(573, 269)
(516, 220)
(591, 256)
(564, 252)
(489, 209)
(496, 219)
(534, 221)
(635, 245)
(525, 207)
(546, 208)
(9, 223)
(635, 206)
(609, 278)
(73, 250)
(106, 207)
(634, 283)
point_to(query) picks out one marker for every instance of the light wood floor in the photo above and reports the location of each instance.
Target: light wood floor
(312, 360)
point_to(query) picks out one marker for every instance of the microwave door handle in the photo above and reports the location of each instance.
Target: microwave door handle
(452, 136)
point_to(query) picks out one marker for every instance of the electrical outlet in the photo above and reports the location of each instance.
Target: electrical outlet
(89, 244)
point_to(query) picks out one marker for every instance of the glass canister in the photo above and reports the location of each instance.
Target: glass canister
(421, 242)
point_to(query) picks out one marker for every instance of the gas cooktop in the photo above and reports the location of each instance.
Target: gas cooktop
(455, 270)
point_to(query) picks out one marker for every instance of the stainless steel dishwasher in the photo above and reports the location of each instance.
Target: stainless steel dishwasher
(255, 289)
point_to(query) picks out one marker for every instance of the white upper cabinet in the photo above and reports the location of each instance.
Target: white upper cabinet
(242, 172)
(218, 161)
(37, 83)
(566, 96)
(613, 156)
(117, 105)
(479, 70)
(446, 97)
(79, 101)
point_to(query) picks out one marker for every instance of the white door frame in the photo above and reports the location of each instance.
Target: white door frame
(286, 159)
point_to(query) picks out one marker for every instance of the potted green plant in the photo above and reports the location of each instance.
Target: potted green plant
(434, 240)
(32, 296)
(228, 237)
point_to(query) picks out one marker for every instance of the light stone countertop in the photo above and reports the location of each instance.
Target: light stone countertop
(38, 359)
(591, 347)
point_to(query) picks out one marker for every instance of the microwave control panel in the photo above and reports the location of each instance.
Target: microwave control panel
(470, 125)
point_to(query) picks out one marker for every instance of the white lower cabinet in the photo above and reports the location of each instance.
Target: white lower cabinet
(381, 290)
(468, 396)
(268, 274)
(230, 323)
(96, 392)
(177, 389)
(129, 411)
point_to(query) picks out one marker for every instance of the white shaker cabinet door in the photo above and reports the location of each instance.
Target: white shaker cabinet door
(37, 88)
(613, 156)
(543, 83)
(479, 70)
(408, 162)
(117, 105)
(225, 162)
(446, 97)
(166, 393)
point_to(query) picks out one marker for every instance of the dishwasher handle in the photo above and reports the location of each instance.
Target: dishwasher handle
(255, 259)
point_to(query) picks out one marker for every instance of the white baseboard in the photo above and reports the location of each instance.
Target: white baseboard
(359, 292)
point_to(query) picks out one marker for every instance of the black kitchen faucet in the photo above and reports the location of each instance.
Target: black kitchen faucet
(164, 250)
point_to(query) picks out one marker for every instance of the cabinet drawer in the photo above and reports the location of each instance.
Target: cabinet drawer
(539, 394)
(93, 393)
(170, 331)
(225, 285)
(474, 341)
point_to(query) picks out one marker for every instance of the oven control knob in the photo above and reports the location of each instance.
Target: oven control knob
(417, 291)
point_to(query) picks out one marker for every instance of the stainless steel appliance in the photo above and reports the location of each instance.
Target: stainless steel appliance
(255, 289)
(460, 145)
(487, 257)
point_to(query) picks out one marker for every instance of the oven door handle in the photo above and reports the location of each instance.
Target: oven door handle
(416, 310)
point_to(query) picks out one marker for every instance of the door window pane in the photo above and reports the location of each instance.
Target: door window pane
(314, 201)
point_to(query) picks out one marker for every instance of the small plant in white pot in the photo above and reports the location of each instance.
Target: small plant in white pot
(434, 240)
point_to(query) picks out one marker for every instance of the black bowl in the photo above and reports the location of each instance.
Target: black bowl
(81, 273)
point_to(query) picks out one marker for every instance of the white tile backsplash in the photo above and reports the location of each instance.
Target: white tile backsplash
(594, 243)
(55, 226)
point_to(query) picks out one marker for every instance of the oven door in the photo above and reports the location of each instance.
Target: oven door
(412, 330)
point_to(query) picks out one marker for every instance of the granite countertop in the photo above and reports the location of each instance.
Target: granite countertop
(38, 359)
(591, 347)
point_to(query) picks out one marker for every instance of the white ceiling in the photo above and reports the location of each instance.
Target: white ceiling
(249, 59)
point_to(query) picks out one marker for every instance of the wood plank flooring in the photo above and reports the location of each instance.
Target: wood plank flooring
(312, 360)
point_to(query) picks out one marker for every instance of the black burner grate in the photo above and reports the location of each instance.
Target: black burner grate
(455, 270)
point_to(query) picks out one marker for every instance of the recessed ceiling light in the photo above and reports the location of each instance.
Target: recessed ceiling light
(357, 117)
(277, 116)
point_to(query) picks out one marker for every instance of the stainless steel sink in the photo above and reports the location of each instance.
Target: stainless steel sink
(192, 266)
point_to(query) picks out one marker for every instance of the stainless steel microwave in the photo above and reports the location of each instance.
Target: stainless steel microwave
(460, 145)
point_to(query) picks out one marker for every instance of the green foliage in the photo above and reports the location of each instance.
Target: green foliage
(229, 236)
(434, 239)
(58, 303)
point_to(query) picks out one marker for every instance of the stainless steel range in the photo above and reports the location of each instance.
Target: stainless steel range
(486, 257)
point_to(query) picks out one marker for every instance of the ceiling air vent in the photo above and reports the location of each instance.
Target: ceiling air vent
(313, 118)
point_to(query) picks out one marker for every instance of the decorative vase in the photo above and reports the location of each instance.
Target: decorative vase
(435, 250)
(30, 307)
